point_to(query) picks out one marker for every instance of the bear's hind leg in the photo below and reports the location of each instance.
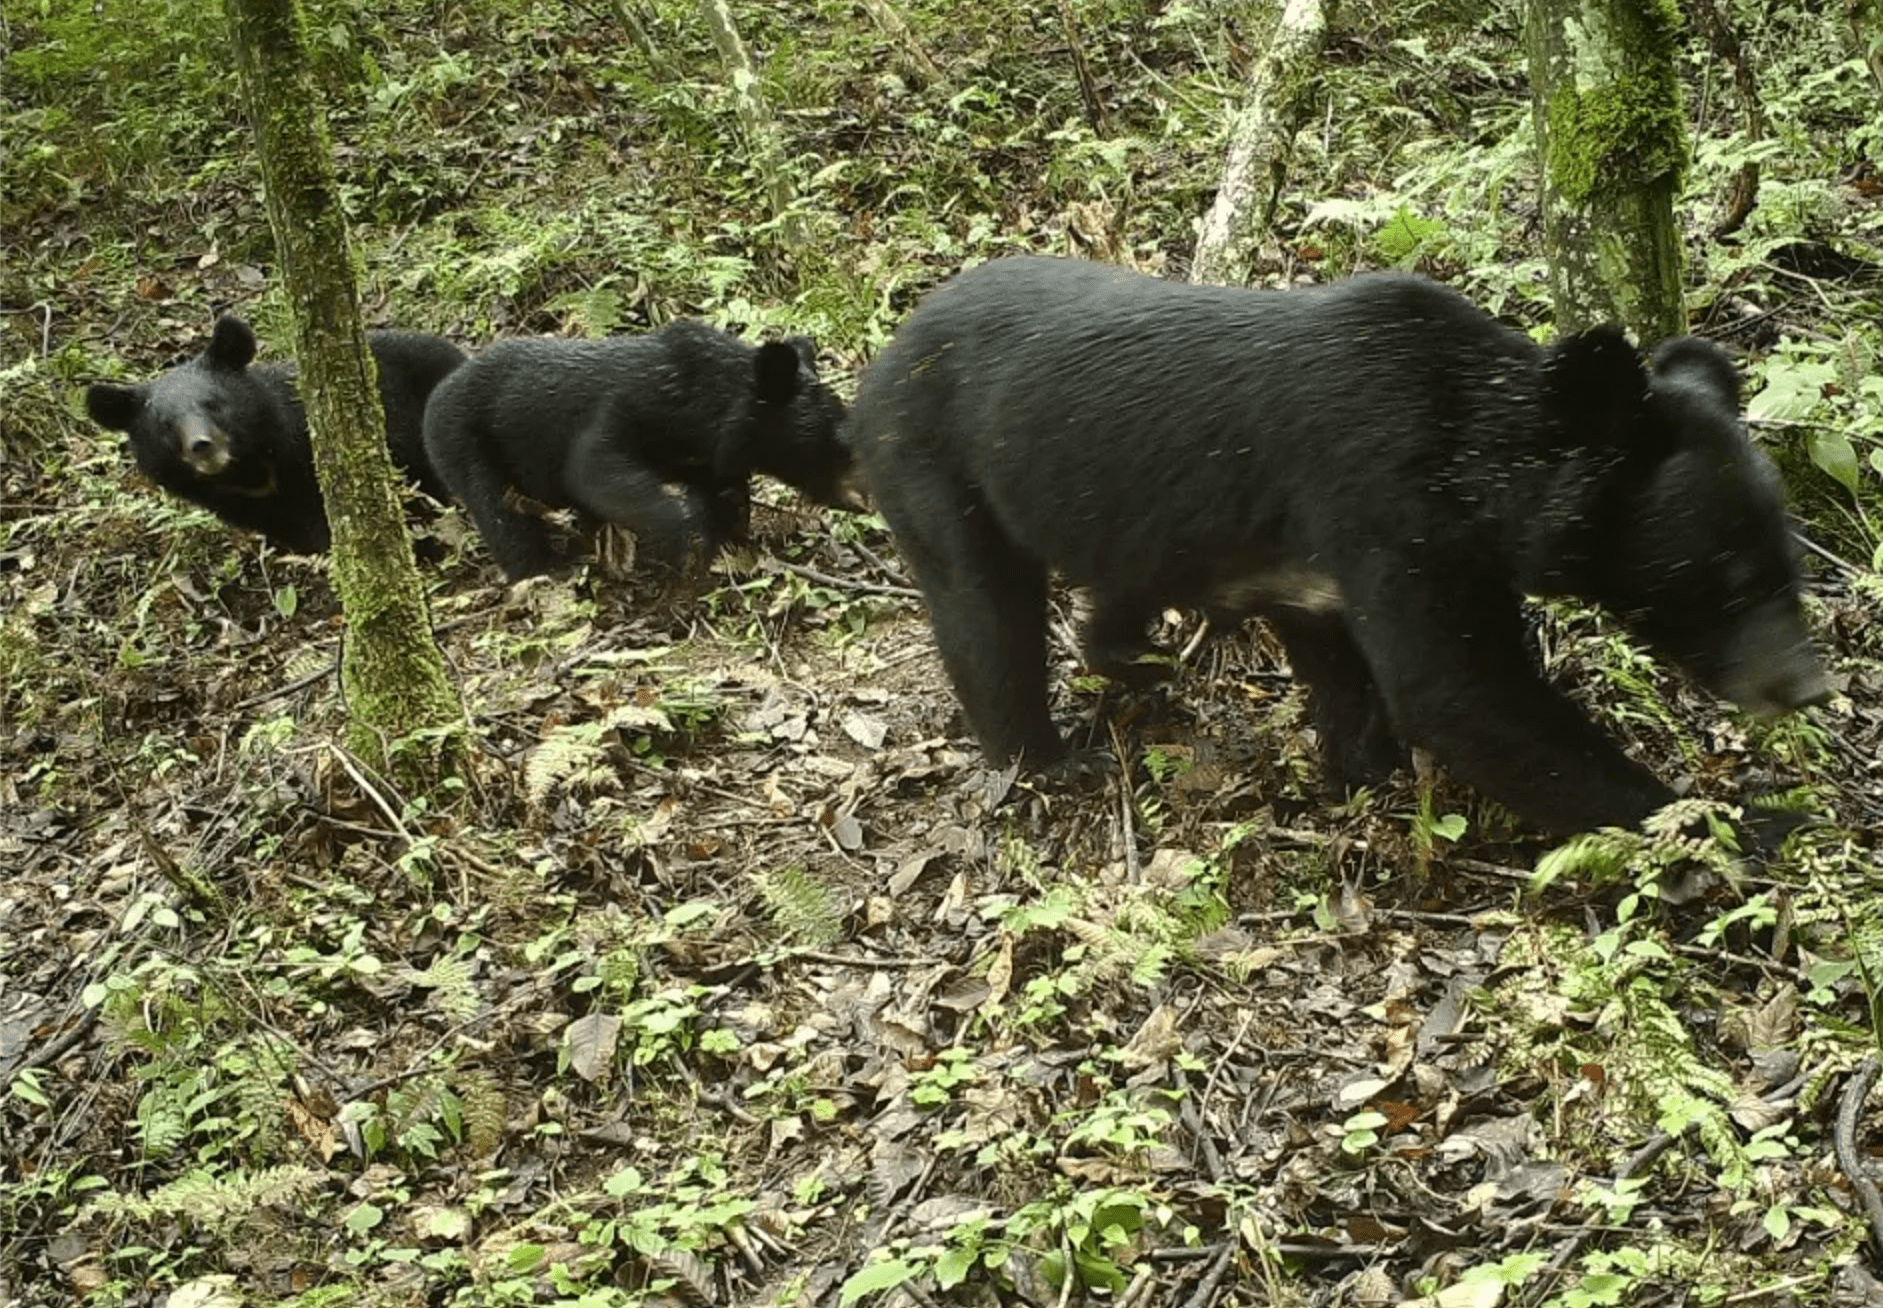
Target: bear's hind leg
(673, 524)
(517, 540)
(1358, 745)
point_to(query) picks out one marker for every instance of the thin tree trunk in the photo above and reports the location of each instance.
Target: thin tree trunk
(1865, 21)
(1723, 37)
(1261, 139)
(1095, 114)
(391, 673)
(1612, 142)
(892, 24)
(762, 136)
(632, 17)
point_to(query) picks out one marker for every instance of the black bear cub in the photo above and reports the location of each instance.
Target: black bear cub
(1376, 466)
(233, 439)
(659, 433)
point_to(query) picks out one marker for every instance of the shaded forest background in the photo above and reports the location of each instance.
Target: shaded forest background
(727, 976)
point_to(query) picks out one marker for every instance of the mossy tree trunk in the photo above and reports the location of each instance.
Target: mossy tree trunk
(762, 138)
(1612, 142)
(391, 672)
(1281, 91)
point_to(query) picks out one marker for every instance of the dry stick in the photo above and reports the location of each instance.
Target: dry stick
(331, 666)
(1843, 565)
(54, 1049)
(882, 564)
(1845, 1140)
(1193, 1120)
(1302, 835)
(1140, 1288)
(1133, 873)
(353, 769)
(886, 960)
(1088, 88)
(1206, 1288)
(844, 583)
(896, 28)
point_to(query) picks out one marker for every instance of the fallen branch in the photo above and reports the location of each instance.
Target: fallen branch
(1849, 1105)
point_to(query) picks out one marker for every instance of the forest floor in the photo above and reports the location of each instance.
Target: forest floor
(731, 975)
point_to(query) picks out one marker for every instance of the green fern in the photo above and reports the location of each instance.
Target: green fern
(570, 756)
(1643, 1045)
(804, 911)
(1658, 1056)
(1667, 838)
(485, 1111)
(1152, 967)
(163, 1117)
(218, 1202)
(450, 980)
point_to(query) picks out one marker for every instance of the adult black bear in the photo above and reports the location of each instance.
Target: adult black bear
(1377, 466)
(660, 433)
(233, 438)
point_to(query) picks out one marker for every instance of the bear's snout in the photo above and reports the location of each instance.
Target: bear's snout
(203, 445)
(1770, 666)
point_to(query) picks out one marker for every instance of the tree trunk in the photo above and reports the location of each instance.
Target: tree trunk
(632, 16)
(1612, 142)
(892, 24)
(391, 673)
(1281, 92)
(762, 136)
(1865, 21)
(1723, 37)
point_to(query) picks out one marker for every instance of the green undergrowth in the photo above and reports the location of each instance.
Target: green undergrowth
(633, 1018)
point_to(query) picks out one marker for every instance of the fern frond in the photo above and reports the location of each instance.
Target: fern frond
(450, 978)
(484, 1110)
(216, 1201)
(569, 756)
(805, 911)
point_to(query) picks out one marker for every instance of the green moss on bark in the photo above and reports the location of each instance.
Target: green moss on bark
(1617, 122)
(391, 673)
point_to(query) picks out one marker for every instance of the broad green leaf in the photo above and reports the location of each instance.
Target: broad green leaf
(1832, 452)
(952, 1268)
(874, 1278)
(1793, 388)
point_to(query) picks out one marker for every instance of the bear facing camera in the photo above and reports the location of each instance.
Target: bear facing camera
(1376, 466)
(233, 438)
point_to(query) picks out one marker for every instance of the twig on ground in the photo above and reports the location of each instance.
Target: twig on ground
(1849, 1106)
(843, 583)
(1206, 1288)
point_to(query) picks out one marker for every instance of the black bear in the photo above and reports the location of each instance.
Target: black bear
(660, 433)
(1376, 466)
(233, 438)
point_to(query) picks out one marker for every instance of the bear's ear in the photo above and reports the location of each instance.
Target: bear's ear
(233, 345)
(1695, 362)
(777, 370)
(114, 408)
(1594, 384)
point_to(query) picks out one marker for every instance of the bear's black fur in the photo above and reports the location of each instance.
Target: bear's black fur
(233, 438)
(659, 433)
(1376, 466)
